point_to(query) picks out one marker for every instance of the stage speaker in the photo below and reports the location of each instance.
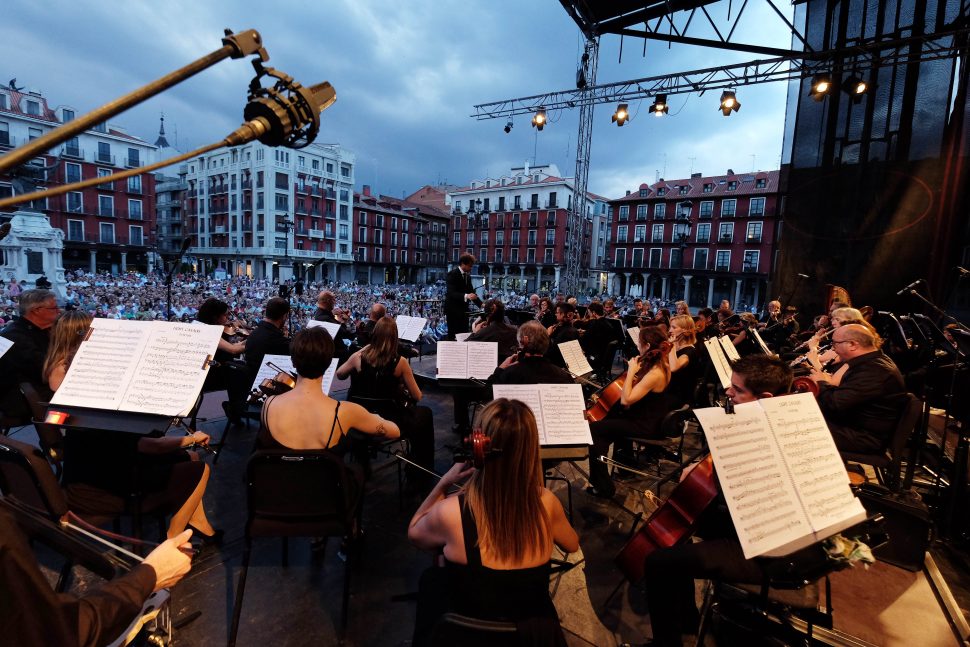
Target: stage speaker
(907, 524)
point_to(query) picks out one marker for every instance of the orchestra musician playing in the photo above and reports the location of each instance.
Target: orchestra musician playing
(24, 360)
(267, 337)
(496, 328)
(496, 535)
(366, 327)
(561, 332)
(670, 572)
(214, 312)
(328, 312)
(684, 361)
(66, 336)
(640, 410)
(458, 294)
(530, 365)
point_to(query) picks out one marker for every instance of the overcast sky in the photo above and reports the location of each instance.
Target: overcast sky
(407, 75)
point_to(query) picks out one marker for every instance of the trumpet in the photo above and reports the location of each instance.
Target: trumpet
(825, 336)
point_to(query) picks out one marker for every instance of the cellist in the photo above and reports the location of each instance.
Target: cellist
(670, 572)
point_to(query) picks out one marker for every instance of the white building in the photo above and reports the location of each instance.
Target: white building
(267, 212)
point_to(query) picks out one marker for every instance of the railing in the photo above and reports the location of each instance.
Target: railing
(316, 233)
(703, 240)
(6, 139)
(749, 267)
(722, 268)
(132, 162)
(107, 213)
(753, 239)
(136, 216)
(67, 151)
(219, 229)
(104, 158)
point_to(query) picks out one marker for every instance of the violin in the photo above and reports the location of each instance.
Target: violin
(671, 523)
(604, 400)
(282, 382)
(476, 448)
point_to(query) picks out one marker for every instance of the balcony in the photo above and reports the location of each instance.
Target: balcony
(132, 162)
(722, 268)
(301, 210)
(104, 158)
(724, 239)
(316, 233)
(67, 151)
(106, 212)
(753, 240)
(749, 267)
(7, 140)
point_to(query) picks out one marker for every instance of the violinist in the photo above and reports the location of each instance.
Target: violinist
(267, 337)
(641, 408)
(744, 339)
(561, 332)
(670, 572)
(705, 326)
(684, 361)
(776, 327)
(609, 309)
(547, 313)
(598, 333)
(214, 312)
(681, 308)
(328, 312)
(496, 328)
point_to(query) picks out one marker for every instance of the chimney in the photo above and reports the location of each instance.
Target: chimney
(367, 190)
(730, 171)
(628, 192)
(694, 176)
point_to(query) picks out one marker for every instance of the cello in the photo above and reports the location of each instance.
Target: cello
(605, 398)
(672, 523)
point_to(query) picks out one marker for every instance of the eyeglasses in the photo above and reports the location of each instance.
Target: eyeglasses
(841, 341)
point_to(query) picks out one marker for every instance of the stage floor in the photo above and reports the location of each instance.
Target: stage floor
(300, 605)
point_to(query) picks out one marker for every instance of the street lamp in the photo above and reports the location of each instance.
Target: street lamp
(285, 224)
(682, 226)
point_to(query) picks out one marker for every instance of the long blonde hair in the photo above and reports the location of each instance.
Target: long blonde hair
(686, 322)
(506, 494)
(382, 349)
(65, 338)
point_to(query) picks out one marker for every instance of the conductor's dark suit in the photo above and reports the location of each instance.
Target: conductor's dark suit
(457, 285)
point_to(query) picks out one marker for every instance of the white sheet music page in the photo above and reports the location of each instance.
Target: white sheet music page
(285, 362)
(452, 360)
(462, 336)
(729, 348)
(761, 342)
(482, 358)
(564, 414)
(720, 362)
(576, 362)
(5, 345)
(409, 328)
(760, 496)
(330, 327)
(528, 394)
(634, 333)
(328, 376)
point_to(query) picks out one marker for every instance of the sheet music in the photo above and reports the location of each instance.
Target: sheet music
(576, 362)
(5, 345)
(782, 477)
(761, 342)
(409, 328)
(285, 362)
(144, 366)
(482, 358)
(452, 360)
(634, 333)
(720, 362)
(332, 328)
(462, 336)
(559, 410)
(729, 348)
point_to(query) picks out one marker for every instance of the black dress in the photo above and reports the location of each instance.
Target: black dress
(680, 391)
(518, 595)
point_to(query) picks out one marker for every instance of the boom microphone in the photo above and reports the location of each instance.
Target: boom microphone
(186, 243)
(286, 114)
(909, 287)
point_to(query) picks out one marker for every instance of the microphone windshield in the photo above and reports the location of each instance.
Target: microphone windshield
(186, 243)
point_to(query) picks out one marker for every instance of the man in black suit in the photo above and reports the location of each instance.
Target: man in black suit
(530, 366)
(267, 337)
(458, 292)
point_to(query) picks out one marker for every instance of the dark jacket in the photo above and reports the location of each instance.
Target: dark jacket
(560, 335)
(531, 370)
(860, 409)
(321, 314)
(499, 332)
(23, 362)
(266, 339)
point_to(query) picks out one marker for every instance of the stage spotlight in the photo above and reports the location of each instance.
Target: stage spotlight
(659, 106)
(821, 84)
(621, 115)
(855, 87)
(508, 126)
(539, 120)
(729, 102)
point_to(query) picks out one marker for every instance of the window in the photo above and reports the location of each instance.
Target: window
(751, 260)
(655, 253)
(394, 238)
(344, 212)
(621, 234)
(625, 212)
(379, 237)
(661, 191)
(134, 184)
(498, 255)
(683, 189)
(344, 170)
(517, 202)
(637, 257)
(761, 183)
(107, 231)
(470, 237)
(552, 199)
(104, 153)
(676, 258)
(362, 235)
(708, 187)
(641, 212)
(393, 256)
(106, 206)
(732, 185)
(344, 232)
(361, 251)
(657, 235)
(515, 221)
(533, 218)
(726, 232)
(4, 128)
(74, 202)
(72, 172)
(33, 133)
(484, 237)
(75, 230)
(380, 220)
(457, 224)
(534, 201)
(547, 256)
(700, 259)
(134, 159)
(707, 208)
(501, 203)
(379, 255)
(640, 233)
(550, 237)
(135, 235)
(33, 108)
(3, 101)
(515, 237)
(703, 232)
(754, 233)
(500, 220)
(728, 208)
(620, 260)
(659, 210)
(756, 207)
(457, 238)
(514, 257)
(282, 202)
(500, 237)
(134, 210)
(723, 260)
(363, 217)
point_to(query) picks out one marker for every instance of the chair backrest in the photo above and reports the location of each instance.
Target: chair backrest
(455, 629)
(299, 494)
(50, 436)
(672, 424)
(27, 476)
(383, 407)
(910, 411)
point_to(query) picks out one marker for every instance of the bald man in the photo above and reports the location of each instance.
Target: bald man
(860, 412)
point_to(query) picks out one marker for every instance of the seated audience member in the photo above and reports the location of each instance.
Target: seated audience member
(670, 572)
(684, 361)
(496, 329)
(530, 365)
(32, 613)
(859, 411)
(267, 337)
(640, 410)
(378, 371)
(496, 534)
(65, 338)
(24, 360)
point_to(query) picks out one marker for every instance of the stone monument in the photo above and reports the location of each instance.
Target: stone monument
(33, 249)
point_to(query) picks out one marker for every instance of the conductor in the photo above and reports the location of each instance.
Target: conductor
(458, 293)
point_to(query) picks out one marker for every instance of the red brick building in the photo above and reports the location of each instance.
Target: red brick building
(729, 251)
(398, 241)
(106, 227)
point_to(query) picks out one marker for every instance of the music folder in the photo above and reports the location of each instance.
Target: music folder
(467, 359)
(409, 328)
(559, 410)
